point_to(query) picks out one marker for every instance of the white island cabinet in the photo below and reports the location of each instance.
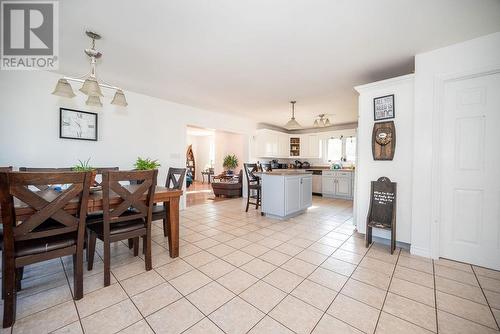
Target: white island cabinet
(286, 194)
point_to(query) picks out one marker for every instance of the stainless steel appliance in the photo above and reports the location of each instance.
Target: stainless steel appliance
(316, 181)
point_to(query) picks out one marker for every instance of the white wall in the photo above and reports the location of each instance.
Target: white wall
(230, 143)
(400, 168)
(468, 58)
(148, 127)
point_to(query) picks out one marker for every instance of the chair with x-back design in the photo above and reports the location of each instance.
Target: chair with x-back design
(175, 180)
(127, 218)
(54, 227)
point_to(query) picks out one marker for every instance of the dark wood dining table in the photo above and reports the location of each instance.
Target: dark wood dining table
(169, 198)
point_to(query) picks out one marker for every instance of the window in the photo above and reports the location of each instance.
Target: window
(350, 149)
(334, 147)
(340, 149)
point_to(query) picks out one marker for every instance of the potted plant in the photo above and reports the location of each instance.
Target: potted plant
(84, 166)
(146, 164)
(230, 163)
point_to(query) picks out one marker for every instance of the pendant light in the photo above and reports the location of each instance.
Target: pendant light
(322, 121)
(292, 124)
(91, 84)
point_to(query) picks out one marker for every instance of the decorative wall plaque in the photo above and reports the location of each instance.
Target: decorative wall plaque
(383, 140)
(382, 211)
(383, 107)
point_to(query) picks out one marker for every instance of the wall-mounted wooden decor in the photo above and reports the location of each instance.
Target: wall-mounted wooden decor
(382, 211)
(383, 140)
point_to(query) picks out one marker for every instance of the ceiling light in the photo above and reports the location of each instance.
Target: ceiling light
(322, 121)
(91, 84)
(119, 99)
(94, 101)
(292, 124)
(64, 89)
(91, 87)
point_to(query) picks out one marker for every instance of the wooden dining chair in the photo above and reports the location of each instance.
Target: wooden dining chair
(253, 184)
(175, 180)
(128, 218)
(54, 226)
(3, 169)
(42, 169)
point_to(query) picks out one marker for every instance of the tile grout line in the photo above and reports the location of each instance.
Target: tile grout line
(348, 277)
(484, 295)
(435, 294)
(388, 288)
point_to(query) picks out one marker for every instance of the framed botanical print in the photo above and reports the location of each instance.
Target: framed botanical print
(383, 107)
(75, 124)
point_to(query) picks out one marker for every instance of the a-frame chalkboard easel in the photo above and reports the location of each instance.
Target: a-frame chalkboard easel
(382, 211)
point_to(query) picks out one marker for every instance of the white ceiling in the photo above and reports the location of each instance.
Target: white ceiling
(252, 57)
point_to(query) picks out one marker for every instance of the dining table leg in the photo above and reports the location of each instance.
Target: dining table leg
(173, 226)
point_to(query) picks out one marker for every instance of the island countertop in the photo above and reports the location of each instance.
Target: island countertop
(284, 172)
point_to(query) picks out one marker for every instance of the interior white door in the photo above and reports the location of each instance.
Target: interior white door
(470, 174)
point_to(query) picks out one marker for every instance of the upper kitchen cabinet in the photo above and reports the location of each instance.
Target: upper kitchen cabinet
(271, 144)
(309, 146)
(274, 144)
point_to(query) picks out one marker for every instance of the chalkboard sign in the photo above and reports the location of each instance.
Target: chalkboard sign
(382, 211)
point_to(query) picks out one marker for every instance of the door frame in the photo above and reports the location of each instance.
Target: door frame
(436, 185)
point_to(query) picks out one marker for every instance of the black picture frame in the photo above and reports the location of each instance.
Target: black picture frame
(62, 135)
(393, 110)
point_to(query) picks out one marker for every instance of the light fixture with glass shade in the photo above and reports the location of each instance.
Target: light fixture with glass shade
(91, 84)
(322, 121)
(292, 124)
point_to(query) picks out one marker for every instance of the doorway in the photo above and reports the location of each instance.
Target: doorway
(470, 171)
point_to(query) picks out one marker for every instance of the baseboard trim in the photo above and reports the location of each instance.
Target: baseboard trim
(419, 251)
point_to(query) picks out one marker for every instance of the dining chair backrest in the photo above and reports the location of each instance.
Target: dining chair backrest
(265, 167)
(43, 169)
(175, 178)
(3, 169)
(250, 169)
(63, 209)
(136, 200)
(99, 171)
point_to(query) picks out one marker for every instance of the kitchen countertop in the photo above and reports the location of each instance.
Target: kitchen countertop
(285, 172)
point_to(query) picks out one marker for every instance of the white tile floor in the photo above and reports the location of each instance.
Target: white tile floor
(242, 273)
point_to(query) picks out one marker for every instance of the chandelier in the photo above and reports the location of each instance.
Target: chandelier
(321, 121)
(292, 124)
(91, 84)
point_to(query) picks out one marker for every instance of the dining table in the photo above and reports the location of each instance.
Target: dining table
(169, 197)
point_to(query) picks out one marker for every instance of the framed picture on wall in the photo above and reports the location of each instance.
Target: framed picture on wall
(76, 124)
(383, 107)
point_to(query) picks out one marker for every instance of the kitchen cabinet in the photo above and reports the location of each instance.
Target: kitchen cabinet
(306, 191)
(338, 184)
(271, 144)
(285, 194)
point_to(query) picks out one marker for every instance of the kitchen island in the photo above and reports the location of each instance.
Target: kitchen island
(286, 193)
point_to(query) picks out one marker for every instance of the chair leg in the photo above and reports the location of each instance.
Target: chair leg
(130, 243)
(144, 245)
(107, 260)
(78, 274)
(19, 277)
(248, 199)
(136, 246)
(3, 274)
(147, 255)
(258, 200)
(91, 250)
(9, 307)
